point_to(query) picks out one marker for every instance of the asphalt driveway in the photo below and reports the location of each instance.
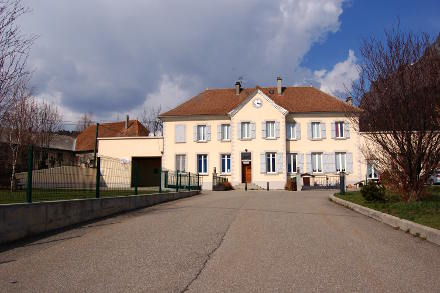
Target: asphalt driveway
(227, 241)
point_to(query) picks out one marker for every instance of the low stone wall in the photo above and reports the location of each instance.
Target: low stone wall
(428, 233)
(23, 220)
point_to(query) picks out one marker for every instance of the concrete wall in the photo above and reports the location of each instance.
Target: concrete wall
(22, 220)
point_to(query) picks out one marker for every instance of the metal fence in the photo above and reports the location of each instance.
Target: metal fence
(322, 182)
(182, 180)
(109, 178)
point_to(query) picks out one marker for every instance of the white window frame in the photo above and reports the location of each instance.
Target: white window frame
(270, 129)
(318, 127)
(201, 133)
(339, 159)
(290, 157)
(316, 163)
(374, 172)
(339, 125)
(271, 162)
(292, 127)
(245, 130)
(225, 158)
(226, 132)
(179, 166)
(204, 164)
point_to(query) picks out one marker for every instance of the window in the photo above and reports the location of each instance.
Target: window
(291, 131)
(316, 130)
(180, 163)
(226, 164)
(339, 128)
(201, 132)
(226, 128)
(372, 172)
(291, 163)
(317, 162)
(270, 162)
(270, 129)
(245, 130)
(340, 162)
(202, 164)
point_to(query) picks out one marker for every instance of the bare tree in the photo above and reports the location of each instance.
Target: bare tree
(20, 125)
(48, 124)
(14, 50)
(398, 93)
(84, 122)
(150, 119)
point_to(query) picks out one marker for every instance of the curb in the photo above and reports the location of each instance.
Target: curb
(424, 232)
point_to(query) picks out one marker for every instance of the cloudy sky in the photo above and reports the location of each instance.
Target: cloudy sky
(114, 57)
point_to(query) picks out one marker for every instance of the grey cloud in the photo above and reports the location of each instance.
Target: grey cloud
(110, 56)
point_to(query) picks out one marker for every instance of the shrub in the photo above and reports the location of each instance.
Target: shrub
(373, 192)
(227, 185)
(290, 184)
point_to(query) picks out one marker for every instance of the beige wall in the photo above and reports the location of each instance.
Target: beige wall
(128, 147)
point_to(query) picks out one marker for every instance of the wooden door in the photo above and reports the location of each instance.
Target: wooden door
(306, 181)
(246, 172)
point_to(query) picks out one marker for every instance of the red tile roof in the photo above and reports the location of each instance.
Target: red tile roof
(293, 99)
(85, 141)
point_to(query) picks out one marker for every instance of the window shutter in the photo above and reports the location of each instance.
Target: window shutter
(298, 130)
(219, 132)
(349, 158)
(252, 125)
(263, 129)
(239, 130)
(262, 163)
(195, 132)
(333, 130)
(288, 130)
(309, 131)
(279, 163)
(325, 161)
(179, 133)
(208, 132)
(308, 163)
(300, 162)
(347, 129)
(277, 129)
(323, 132)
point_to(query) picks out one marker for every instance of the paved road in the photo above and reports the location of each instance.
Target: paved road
(227, 241)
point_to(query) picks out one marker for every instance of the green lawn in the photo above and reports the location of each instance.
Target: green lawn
(425, 212)
(7, 197)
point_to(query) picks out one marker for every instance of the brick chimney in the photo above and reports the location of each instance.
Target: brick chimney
(279, 85)
(126, 121)
(237, 88)
(349, 100)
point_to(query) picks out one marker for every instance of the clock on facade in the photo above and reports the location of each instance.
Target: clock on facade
(258, 103)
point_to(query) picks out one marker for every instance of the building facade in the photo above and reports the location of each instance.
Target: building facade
(262, 135)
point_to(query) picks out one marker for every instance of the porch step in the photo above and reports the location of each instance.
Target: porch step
(250, 186)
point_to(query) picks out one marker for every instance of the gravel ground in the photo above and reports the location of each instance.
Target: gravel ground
(227, 241)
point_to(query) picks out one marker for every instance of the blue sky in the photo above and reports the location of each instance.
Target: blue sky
(362, 18)
(113, 57)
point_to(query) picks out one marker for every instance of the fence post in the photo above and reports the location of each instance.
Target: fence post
(342, 182)
(166, 179)
(177, 181)
(180, 180)
(29, 174)
(98, 175)
(198, 181)
(135, 178)
(96, 144)
(160, 180)
(189, 181)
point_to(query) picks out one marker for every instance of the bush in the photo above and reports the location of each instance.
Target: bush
(227, 185)
(373, 192)
(290, 184)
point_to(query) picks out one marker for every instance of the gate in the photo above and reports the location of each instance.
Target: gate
(312, 182)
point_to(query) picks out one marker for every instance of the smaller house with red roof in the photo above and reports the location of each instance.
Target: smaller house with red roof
(85, 141)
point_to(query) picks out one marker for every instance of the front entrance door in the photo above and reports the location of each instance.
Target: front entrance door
(246, 172)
